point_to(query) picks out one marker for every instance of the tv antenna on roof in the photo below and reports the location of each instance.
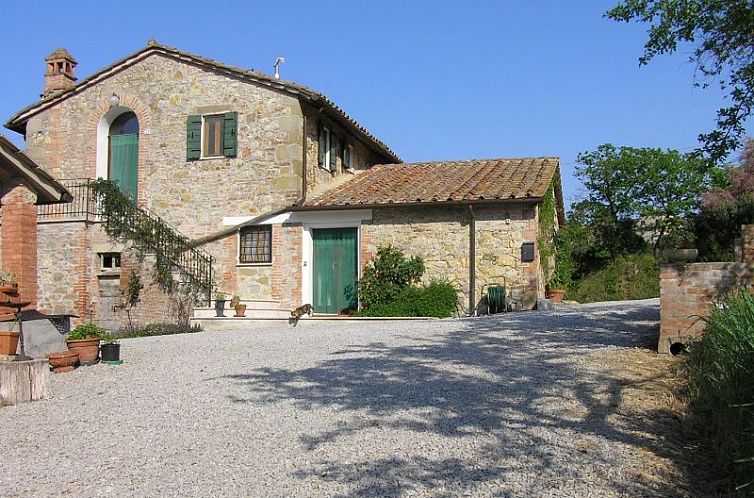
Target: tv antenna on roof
(278, 61)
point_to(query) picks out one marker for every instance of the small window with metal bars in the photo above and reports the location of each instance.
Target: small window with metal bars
(255, 244)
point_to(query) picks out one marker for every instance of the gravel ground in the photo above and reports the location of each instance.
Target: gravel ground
(523, 404)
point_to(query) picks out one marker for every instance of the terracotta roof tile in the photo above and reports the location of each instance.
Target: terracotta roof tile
(452, 181)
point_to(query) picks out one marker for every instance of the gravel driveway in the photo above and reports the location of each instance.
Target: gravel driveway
(522, 404)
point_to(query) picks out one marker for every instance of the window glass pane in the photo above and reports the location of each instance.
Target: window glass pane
(256, 244)
(213, 136)
(125, 124)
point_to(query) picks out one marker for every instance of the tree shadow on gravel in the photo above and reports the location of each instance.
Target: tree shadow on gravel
(515, 378)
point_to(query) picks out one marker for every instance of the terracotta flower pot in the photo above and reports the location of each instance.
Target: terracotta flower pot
(556, 295)
(8, 342)
(240, 310)
(87, 349)
(9, 288)
(63, 361)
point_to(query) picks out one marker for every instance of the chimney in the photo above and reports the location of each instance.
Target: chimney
(60, 75)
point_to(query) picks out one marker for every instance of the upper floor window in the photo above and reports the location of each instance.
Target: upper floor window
(329, 148)
(347, 156)
(323, 147)
(255, 245)
(212, 135)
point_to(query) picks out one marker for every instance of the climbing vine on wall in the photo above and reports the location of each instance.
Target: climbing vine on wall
(125, 221)
(547, 229)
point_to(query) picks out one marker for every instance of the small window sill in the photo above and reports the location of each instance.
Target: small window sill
(252, 265)
(109, 272)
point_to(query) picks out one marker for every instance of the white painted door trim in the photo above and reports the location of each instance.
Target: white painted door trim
(313, 220)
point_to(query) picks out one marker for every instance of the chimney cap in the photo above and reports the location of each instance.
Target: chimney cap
(60, 53)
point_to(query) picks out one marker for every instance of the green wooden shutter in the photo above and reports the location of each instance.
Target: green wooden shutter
(346, 155)
(321, 146)
(193, 137)
(334, 147)
(230, 132)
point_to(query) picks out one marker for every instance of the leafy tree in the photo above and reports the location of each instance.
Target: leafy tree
(722, 32)
(626, 184)
(725, 207)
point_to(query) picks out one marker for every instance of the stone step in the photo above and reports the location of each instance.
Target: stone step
(226, 324)
(257, 307)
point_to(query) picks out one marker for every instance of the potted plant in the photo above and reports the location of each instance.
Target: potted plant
(63, 361)
(219, 304)
(236, 305)
(84, 340)
(556, 287)
(8, 339)
(110, 351)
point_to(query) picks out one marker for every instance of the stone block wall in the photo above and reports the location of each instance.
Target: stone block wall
(278, 281)
(70, 274)
(440, 235)
(687, 292)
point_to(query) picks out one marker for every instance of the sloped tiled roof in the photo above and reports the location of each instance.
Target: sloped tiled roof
(18, 121)
(15, 163)
(437, 182)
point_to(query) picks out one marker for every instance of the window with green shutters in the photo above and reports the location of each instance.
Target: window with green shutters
(212, 136)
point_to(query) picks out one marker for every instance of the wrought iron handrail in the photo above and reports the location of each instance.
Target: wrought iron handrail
(152, 233)
(82, 206)
(138, 225)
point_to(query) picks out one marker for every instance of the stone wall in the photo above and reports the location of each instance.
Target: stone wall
(277, 281)
(70, 274)
(440, 235)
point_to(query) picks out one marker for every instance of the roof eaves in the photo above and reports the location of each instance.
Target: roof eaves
(48, 190)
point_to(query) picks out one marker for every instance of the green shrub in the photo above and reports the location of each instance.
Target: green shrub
(438, 299)
(636, 276)
(86, 331)
(721, 369)
(387, 275)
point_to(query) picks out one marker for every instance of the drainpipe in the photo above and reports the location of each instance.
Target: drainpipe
(472, 261)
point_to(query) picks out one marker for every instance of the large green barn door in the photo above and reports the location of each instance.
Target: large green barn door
(124, 163)
(334, 269)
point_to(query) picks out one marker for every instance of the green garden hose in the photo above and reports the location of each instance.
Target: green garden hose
(496, 298)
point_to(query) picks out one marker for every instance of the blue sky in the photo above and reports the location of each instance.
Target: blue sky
(435, 80)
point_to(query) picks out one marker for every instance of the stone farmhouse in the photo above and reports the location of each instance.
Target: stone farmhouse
(283, 197)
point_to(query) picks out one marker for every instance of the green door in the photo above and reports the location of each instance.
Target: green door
(334, 269)
(124, 163)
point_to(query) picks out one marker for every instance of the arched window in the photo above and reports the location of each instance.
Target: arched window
(123, 153)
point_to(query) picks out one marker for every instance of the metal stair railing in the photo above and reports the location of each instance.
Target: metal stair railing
(151, 233)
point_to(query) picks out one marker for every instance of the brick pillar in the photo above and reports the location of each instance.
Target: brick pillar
(18, 236)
